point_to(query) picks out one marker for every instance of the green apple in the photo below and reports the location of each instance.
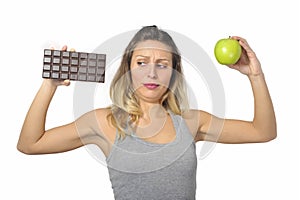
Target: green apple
(227, 51)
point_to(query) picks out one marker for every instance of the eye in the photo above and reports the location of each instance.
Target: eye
(141, 63)
(161, 66)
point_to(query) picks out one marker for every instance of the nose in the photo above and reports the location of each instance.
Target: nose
(152, 72)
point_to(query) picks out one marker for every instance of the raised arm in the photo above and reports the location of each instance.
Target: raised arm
(34, 139)
(263, 126)
(33, 130)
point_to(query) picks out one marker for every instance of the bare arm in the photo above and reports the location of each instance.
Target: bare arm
(87, 129)
(33, 130)
(263, 126)
(34, 139)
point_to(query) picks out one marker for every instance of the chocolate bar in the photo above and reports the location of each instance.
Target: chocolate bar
(77, 66)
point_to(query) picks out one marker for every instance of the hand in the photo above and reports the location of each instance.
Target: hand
(248, 63)
(56, 82)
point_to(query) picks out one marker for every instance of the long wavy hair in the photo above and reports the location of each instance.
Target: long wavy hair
(125, 108)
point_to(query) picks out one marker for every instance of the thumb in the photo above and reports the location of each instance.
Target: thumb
(66, 82)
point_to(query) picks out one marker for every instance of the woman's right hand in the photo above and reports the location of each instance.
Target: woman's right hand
(57, 82)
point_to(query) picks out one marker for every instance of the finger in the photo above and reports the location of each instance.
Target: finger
(244, 44)
(247, 48)
(238, 38)
(66, 82)
(72, 49)
(64, 48)
(232, 66)
(242, 41)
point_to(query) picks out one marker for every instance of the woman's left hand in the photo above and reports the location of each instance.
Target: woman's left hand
(248, 63)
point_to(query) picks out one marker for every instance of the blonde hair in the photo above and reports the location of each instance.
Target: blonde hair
(125, 107)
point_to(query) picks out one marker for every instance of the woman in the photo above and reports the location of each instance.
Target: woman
(148, 134)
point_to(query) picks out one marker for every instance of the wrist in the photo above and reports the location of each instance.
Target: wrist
(256, 75)
(257, 78)
(49, 85)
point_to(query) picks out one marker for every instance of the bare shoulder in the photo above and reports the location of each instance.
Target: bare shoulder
(197, 117)
(197, 121)
(104, 123)
(99, 115)
(98, 123)
(102, 116)
(102, 113)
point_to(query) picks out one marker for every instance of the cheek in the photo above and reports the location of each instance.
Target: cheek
(137, 77)
(165, 77)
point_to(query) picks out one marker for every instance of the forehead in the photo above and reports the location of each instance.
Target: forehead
(152, 48)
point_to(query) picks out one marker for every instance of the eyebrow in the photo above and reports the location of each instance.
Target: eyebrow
(160, 59)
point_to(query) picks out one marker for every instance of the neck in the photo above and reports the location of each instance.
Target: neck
(151, 110)
(152, 121)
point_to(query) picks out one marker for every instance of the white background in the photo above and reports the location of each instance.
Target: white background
(247, 171)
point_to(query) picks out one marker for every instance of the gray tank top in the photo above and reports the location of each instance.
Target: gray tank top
(141, 170)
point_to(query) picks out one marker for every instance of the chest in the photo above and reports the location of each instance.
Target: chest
(158, 132)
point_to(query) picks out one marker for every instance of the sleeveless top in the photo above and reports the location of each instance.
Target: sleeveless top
(141, 170)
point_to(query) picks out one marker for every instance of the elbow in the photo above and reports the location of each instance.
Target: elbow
(270, 138)
(266, 134)
(271, 135)
(25, 149)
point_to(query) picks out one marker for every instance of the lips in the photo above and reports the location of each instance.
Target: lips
(151, 86)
